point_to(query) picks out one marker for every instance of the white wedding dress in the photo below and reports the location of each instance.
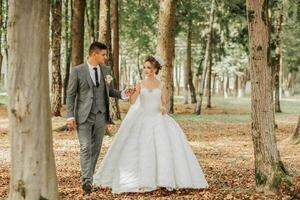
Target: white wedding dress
(149, 151)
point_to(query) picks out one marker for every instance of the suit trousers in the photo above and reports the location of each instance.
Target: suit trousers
(90, 134)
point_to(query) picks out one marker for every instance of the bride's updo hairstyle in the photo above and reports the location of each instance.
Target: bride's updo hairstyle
(156, 62)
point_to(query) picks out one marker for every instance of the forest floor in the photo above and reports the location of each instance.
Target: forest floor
(220, 138)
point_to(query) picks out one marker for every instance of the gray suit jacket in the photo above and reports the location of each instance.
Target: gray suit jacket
(80, 92)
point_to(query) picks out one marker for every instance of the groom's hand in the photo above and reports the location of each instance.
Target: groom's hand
(129, 91)
(71, 123)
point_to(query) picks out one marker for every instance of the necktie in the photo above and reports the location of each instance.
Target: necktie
(96, 77)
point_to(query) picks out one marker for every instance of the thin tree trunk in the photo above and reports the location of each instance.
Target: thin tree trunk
(105, 37)
(4, 29)
(269, 169)
(33, 173)
(296, 135)
(78, 32)
(138, 64)
(189, 64)
(177, 77)
(115, 41)
(1, 22)
(225, 85)
(96, 19)
(278, 61)
(104, 27)
(290, 83)
(90, 16)
(56, 87)
(67, 48)
(236, 85)
(166, 45)
(207, 59)
(209, 82)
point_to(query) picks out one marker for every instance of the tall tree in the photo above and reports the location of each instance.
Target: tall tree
(166, 46)
(207, 58)
(1, 22)
(92, 10)
(56, 87)
(278, 59)
(269, 169)
(3, 36)
(78, 32)
(32, 158)
(188, 74)
(105, 37)
(67, 39)
(115, 41)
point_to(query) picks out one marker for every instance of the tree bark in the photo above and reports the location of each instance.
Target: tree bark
(166, 44)
(90, 16)
(269, 169)
(68, 45)
(56, 87)
(32, 158)
(206, 60)
(78, 32)
(1, 27)
(296, 135)
(209, 82)
(115, 41)
(278, 54)
(188, 75)
(236, 85)
(105, 37)
(177, 77)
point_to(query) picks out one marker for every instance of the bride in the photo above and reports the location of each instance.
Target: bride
(149, 150)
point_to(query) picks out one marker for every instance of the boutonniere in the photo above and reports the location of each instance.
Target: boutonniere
(108, 79)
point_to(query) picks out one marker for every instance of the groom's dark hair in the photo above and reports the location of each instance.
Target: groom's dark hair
(96, 46)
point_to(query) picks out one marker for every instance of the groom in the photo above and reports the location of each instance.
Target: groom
(88, 95)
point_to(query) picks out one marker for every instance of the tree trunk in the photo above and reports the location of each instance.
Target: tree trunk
(241, 86)
(67, 33)
(290, 83)
(90, 16)
(177, 77)
(115, 41)
(278, 61)
(206, 60)
(188, 70)
(209, 82)
(236, 85)
(296, 135)
(269, 168)
(225, 85)
(4, 37)
(105, 37)
(56, 88)
(78, 32)
(104, 27)
(166, 44)
(1, 22)
(32, 158)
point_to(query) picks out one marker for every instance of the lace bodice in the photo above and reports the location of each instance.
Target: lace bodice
(150, 99)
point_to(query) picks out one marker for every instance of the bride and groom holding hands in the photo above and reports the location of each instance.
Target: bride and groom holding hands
(148, 151)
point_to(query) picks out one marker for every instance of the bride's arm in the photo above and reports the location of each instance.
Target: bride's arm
(134, 96)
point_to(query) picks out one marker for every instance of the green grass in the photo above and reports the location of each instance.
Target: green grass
(3, 100)
(238, 110)
(213, 118)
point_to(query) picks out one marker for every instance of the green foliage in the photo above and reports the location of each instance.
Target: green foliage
(290, 36)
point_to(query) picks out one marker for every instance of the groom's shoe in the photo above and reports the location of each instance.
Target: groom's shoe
(87, 188)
